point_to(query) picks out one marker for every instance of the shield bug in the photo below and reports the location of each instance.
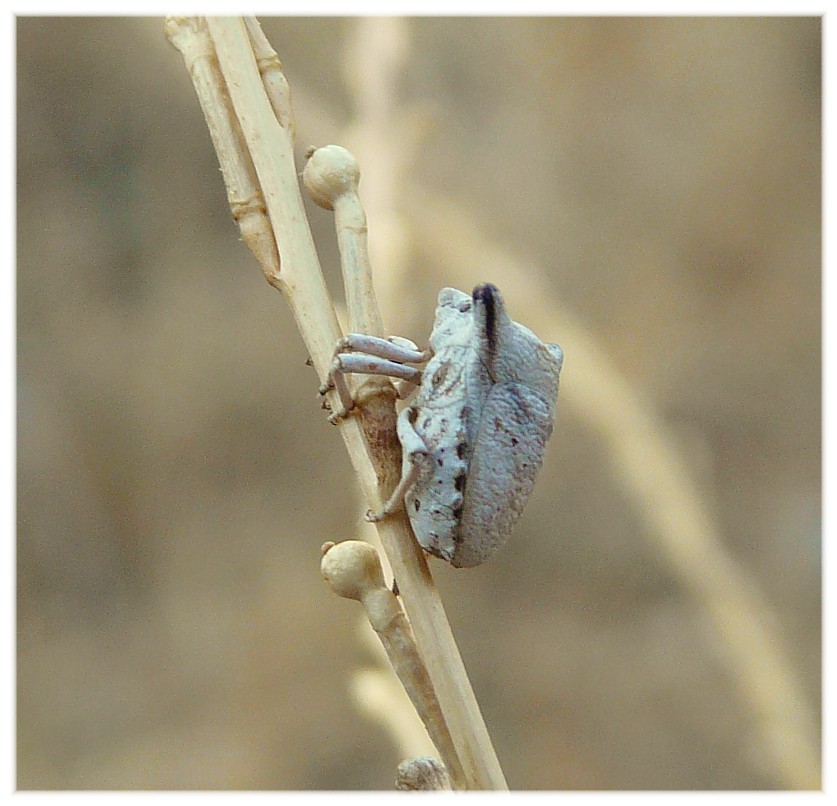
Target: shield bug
(474, 436)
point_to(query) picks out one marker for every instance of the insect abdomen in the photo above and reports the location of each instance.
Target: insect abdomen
(508, 452)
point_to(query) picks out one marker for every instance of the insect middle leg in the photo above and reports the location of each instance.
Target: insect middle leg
(413, 460)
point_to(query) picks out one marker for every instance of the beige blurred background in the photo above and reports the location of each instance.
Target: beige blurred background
(652, 188)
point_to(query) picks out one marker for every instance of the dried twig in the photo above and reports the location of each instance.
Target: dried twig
(267, 136)
(353, 570)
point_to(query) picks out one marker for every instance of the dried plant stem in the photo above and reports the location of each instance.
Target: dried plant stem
(377, 692)
(386, 136)
(353, 569)
(191, 37)
(268, 138)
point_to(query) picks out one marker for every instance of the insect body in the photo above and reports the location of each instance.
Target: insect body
(473, 438)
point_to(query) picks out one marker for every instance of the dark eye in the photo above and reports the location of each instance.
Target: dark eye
(465, 306)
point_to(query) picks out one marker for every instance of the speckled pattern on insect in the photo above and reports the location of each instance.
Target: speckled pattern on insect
(474, 436)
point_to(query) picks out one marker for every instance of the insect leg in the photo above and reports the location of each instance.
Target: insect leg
(368, 365)
(394, 348)
(372, 365)
(413, 459)
(370, 355)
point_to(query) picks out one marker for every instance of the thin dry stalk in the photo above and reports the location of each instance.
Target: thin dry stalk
(190, 36)
(353, 570)
(268, 138)
(378, 693)
(385, 137)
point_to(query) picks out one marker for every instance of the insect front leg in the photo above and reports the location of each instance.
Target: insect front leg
(370, 355)
(413, 459)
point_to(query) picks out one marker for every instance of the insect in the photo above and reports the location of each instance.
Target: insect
(474, 436)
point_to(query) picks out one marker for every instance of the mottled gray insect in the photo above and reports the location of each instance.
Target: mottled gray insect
(474, 437)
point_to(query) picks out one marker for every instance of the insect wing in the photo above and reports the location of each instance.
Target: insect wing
(508, 452)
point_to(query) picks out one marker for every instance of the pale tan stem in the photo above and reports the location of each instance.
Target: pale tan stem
(276, 85)
(379, 51)
(384, 135)
(374, 451)
(190, 36)
(331, 177)
(271, 147)
(353, 570)
(378, 694)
